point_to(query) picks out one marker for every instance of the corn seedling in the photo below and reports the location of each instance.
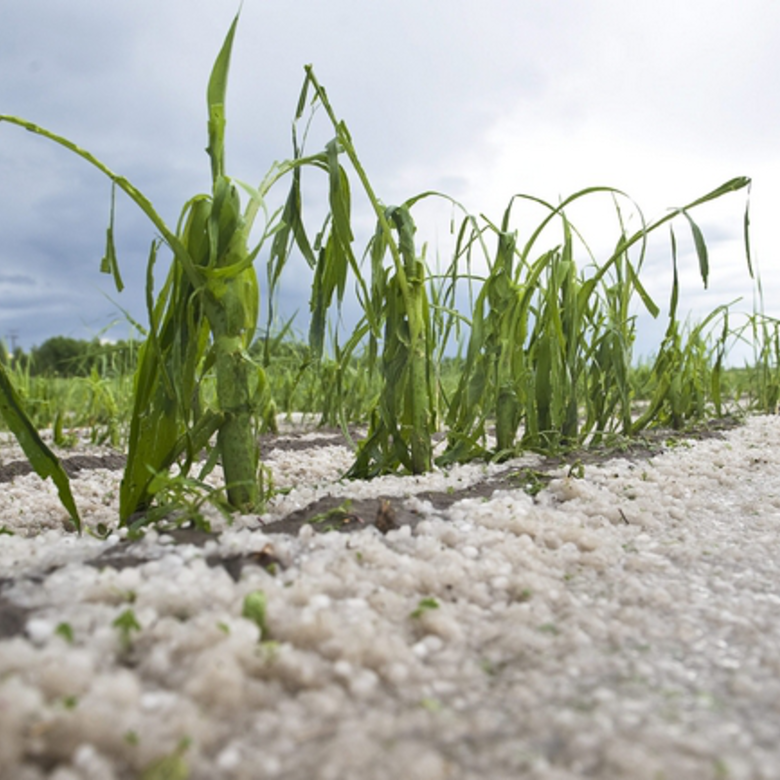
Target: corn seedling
(423, 606)
(126, 623)
(757, 385)
(396, 313)
(404, 421)
(766, 364)
(203, 318)
(550, 344)
(255, 610)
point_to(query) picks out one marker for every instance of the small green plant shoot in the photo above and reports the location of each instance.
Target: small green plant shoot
(203, 320)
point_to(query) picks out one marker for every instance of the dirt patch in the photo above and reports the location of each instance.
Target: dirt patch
(73, 465)
(126, 554)
(13, 618)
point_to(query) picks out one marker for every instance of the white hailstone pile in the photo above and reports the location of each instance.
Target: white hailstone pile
(621, 624)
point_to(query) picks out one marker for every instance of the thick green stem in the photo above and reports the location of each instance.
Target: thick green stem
(420, 400)
(236, 438)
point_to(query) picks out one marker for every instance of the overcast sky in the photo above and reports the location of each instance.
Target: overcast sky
(665, 100)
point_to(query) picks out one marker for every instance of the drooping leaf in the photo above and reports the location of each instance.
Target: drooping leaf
(42, 459)
(701, 249)
(109, 264)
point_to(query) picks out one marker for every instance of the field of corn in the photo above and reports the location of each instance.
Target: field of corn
(515, 352)
(522, 340)
(85, 391)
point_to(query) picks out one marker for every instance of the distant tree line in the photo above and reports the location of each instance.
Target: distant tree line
(61, 356)
(67, 357)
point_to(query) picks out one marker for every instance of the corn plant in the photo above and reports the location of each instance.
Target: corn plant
(395, 307)
(684, 377)
(766, 365)
(549, 343)
(405, 419)
(549, 347)
(758, 383)
(204, 317)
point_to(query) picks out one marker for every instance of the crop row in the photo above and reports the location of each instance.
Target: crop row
(520, 341)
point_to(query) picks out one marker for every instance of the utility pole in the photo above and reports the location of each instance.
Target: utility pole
(13, 336)
(10, 344)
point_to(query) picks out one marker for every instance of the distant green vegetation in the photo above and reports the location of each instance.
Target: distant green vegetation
(92, 387)
(62, 356)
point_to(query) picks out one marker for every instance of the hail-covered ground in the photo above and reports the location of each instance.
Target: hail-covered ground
(614, 618)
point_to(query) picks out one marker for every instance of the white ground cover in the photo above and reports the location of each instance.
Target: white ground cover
(625, 624)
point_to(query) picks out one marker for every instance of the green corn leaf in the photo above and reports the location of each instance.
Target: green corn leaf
(675, 280)
(701, 249)
(636, 284)
(42, 459)
(215, 96)
(170, 767)
(141, 201)
(732, 185)
(291, 228)
(339, 199)
(109, 264)
(303, 98)
(218, 81)
(156, 423)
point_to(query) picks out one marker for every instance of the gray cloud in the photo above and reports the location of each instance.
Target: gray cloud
(424, 88)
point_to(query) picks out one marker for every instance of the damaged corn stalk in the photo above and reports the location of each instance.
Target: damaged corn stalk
(550, 345)
(203, 318)
(201, 323)
(396, 314)
(402, 426)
